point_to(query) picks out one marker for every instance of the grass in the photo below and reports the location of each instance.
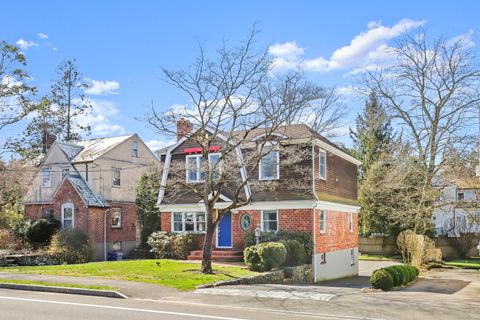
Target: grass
(464, 263)
(57, 284)
(171, 273)
(373, 257)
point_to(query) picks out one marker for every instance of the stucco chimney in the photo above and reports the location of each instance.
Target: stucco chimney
(184, 127)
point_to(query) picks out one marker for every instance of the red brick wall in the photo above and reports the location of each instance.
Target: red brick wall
(128, 231)
(337, 235)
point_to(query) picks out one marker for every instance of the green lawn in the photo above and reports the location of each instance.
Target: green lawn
(57, 284)
(372, 257)
(468, 263)
(171, 273)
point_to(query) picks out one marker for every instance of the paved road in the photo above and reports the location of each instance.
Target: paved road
(21, 305)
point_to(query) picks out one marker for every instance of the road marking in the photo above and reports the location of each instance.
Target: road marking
(299, 295)
(193, 315)
(303, 313)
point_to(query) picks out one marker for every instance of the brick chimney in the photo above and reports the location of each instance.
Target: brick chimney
(184, 127)
(47, 141)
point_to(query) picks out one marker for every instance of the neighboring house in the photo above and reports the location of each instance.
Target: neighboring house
(328, 209)
(461, 210)
(91, 185)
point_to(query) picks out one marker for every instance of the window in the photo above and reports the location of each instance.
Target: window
(46, 178)
(65, 172)
(269, 168)
(323, 258)
(116, 178)
(245, 222)
(117, 246)
(116, 217)
(68, 216)
(350, 221)
(460, 196)
(352, 257)
(323, 222)
(213, 159)
(322, 167)
(134, 149)
(194, 166)
(48, 212)
(270, 220)
(189, 222)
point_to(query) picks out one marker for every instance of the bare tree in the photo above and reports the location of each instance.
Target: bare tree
(15, 94)
(431, 90)
(233, 100)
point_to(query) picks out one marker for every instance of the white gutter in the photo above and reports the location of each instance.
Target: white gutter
(314, 265)
(105, 234)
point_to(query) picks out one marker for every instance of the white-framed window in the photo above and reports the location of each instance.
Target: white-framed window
(117, 246)
(269, 220)
(194, 168)
(116, 177)
(322, 164)
(135, 148)
(350, 221)
(116, 218)
(323, 258)
(213, 159)
(46, 178)
(188, 222)
(269, 167)
(323, 221)
(352, 257)
(68, 215)
(65, 171)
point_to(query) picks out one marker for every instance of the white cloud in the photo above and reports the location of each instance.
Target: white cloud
(102, 87)
(159, 144)
(290, 55)
(24, 45)
(42, 35)
(100, 118)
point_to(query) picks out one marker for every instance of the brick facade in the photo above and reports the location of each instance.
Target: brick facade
(337, 235)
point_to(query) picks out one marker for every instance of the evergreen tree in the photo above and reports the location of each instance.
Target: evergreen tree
(373, 134)
(146, 201)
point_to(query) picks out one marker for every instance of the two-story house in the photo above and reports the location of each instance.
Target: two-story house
(327, 208)
(91, 185)
(460, 210)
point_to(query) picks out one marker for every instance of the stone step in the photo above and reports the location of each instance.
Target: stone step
(218, 255)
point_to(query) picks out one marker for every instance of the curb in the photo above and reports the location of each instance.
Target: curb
(53, 289)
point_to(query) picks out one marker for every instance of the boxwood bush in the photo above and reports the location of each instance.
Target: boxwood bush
(269, 255)
(295, 253)
(399, 274)
(305, 238)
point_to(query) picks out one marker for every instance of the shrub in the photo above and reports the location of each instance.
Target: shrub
(174, 246)
(272, 254)
(20, 229)
(41, 231)
(182, 245)
(295, 253)
(305, 238)
(9, 242)
(252, 259)
(72, 246)
(417, 249)
(396, 275)
(381, 279)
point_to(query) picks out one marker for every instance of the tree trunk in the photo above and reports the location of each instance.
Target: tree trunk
(207, 245)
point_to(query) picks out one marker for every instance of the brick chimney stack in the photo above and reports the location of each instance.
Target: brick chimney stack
(184, 127)
(47, 141)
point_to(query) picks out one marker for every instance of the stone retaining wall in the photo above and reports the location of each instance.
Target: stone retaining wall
(267, 277)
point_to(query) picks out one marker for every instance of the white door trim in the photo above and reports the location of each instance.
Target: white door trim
(67, 205)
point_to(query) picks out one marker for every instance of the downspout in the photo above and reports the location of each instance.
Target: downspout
(314, 265)
(105, 234)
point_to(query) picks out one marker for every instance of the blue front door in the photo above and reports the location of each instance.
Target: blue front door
(224, 231)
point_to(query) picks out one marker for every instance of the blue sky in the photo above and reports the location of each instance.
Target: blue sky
(121, 46)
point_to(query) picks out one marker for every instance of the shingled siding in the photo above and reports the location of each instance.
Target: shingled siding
(341, 179)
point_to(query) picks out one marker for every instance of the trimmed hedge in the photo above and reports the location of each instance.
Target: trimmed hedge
(295, 253)
(305, 238)
(268, 256)
(399, 274)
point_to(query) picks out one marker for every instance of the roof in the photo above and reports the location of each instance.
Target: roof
(70, 149)
(90, 198)
(92, 149)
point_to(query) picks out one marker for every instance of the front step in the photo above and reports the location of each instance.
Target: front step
(218, 255)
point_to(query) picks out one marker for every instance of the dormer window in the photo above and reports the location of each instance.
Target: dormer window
(46, 178)
(322, 165)
(134, 148)
(269, 168)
